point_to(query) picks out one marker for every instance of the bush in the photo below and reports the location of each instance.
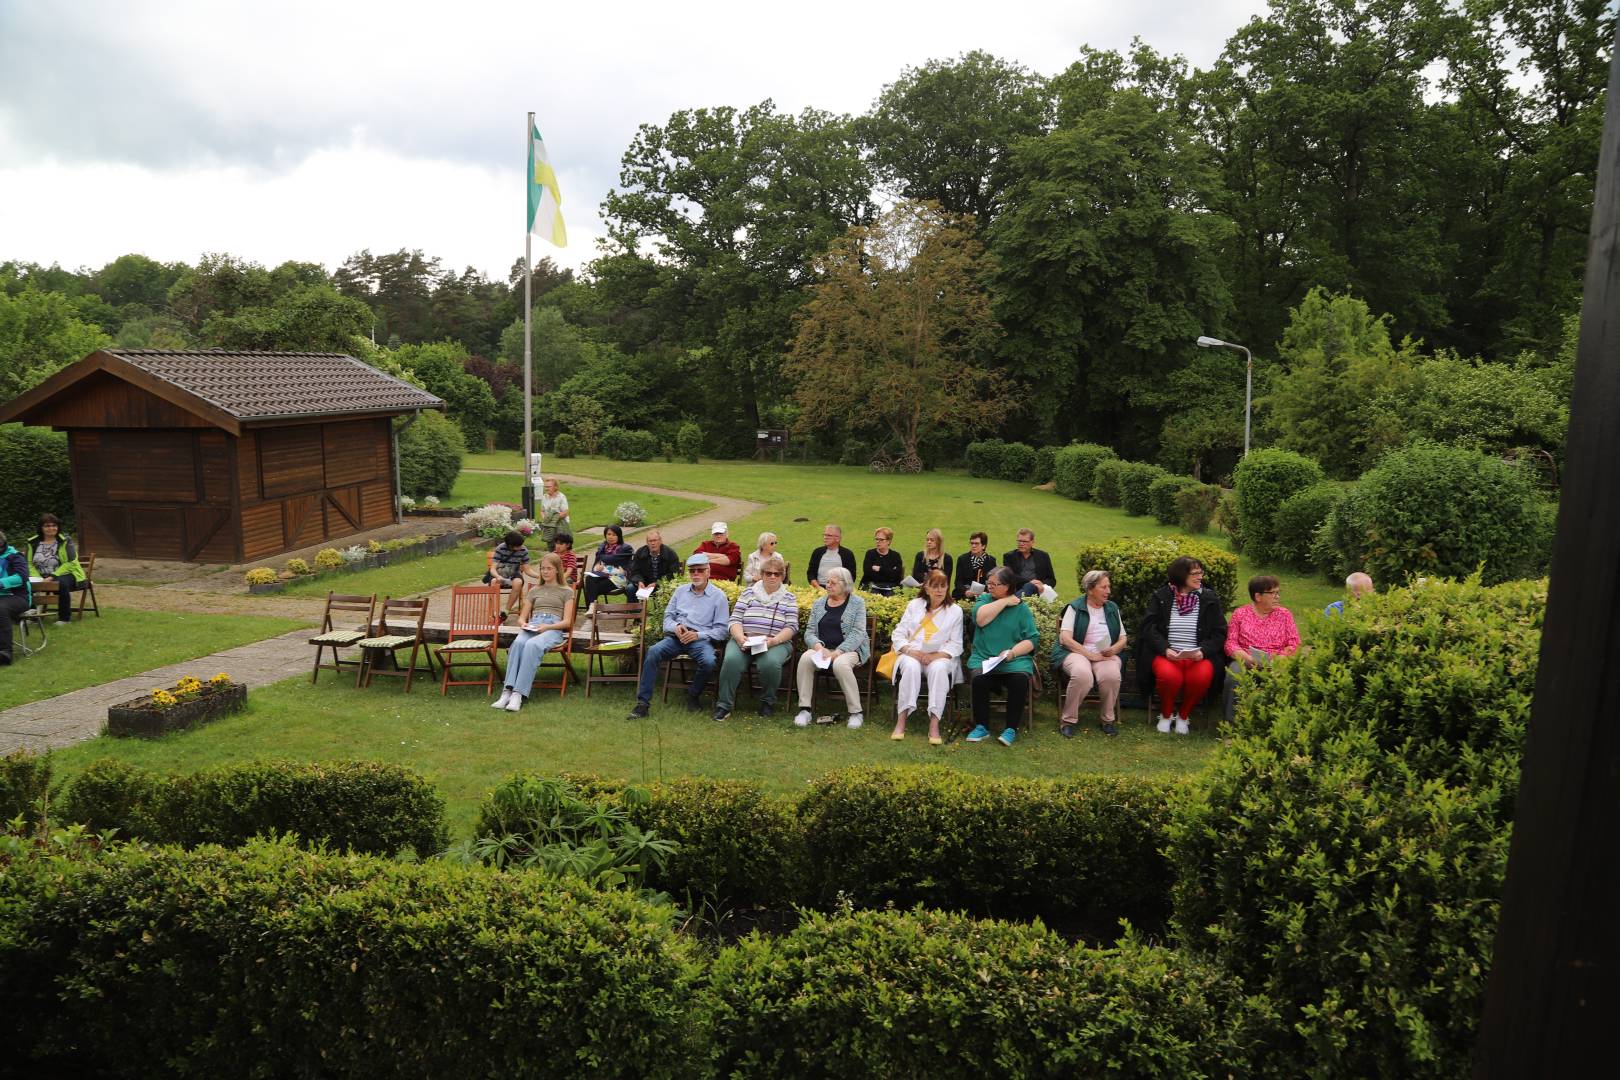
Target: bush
(1045, 464)
(1443, 512)
(261, 575)
(1227, 519)
(362, 806)
(328, 559)
(1162, 497)
(924, 993)
(1344, 854)
(984, 458)
(1135, 486)
(161, 962)
(1074, 467)
(44, 487)
(1106, 477)
(565, 445)
(1017, 462)
(736, 845)
(25, 784)
(1299, 517)
(1195, 506)
(689, 442)
(1262, 481)
(1138, 566)
(430, 453)
(299, 568)
(1086, 853)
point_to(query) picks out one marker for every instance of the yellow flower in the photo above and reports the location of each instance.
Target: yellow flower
(221, 679)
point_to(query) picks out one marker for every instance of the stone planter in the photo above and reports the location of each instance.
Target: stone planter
(140, 718)
(268, 587)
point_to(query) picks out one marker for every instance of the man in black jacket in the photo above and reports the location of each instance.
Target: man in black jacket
(1032, 565)
(653, 562)
(832, 553)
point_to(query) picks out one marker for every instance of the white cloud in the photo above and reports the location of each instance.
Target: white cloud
(311, 130)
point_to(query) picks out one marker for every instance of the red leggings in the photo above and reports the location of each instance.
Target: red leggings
(1188, 678)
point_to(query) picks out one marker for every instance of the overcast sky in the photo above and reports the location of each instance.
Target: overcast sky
(302, 130)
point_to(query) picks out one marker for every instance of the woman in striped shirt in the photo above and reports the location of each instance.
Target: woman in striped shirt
(766, 618)
(1183, 634)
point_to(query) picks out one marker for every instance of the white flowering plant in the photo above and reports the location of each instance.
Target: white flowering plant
(493, 521)
(630, 513)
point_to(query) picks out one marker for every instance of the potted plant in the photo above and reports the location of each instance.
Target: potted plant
(188, 703)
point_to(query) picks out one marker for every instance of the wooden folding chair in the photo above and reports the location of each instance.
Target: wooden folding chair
(866, 671)
(617, 631)
(344, 637)
(563, 654)
(88, 587)
(391, 638)
(474, 635)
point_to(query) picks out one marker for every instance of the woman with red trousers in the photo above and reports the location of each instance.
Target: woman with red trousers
(1183, 638)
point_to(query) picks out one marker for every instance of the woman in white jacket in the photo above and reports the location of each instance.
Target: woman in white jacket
(928, 641)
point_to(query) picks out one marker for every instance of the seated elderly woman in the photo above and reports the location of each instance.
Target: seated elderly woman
(1004, 636)
(1090, 639)
(1183, 631)
(881, 568)
(544, 623)
(610, 569)
(1259, 632)
(756, 559)
(762, 626)
(928, 640)
(834, 638)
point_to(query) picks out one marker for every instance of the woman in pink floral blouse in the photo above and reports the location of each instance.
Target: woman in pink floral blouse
(1259, 632)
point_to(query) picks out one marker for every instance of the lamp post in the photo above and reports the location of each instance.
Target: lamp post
(1248, 382)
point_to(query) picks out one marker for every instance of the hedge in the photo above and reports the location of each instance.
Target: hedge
(25, 784)
(1017, 463)
(565, 445)
(1344, 854)
(1082, 852)
(1045, 464)
(1137, 566)
(1297, 520)
(41, 482)
(1196, 505)
(984, 458)
(624, 444)
(268, 960)
(923, 993)
(1162, 495)
(1106, 477)
(1262, 480)
(1073, 469)
(1135, 481)
(365, 806)
(689, 442)
(431, 448)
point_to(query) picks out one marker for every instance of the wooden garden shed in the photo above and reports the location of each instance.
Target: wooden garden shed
(222, 456)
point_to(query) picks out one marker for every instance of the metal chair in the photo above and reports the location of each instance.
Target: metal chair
(336, 637)
(390, 639)
(473, 637)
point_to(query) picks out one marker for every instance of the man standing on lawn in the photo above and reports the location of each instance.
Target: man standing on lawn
(695, 622)
(725, 557)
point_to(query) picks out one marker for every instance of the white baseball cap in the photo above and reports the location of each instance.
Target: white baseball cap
(718, 527)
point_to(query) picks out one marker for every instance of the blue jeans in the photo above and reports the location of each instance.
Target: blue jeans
(1029, 588)
(523, 658)
(701, 650)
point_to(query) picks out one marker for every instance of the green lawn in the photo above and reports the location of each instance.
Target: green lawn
(466, 748)
(126, 642)
(464, 564)
(587, 506)
(910, 505)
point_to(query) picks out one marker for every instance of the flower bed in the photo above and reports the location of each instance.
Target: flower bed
(188, 703)
(368, 559)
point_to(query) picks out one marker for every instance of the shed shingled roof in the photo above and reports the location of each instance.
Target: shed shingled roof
(272, 385)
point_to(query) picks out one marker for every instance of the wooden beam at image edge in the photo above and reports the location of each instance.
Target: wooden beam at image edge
(1554, 990)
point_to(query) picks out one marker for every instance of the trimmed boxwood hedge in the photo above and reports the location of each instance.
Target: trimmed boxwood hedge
(1017, 462)
(365, 806)
(1106, 478)
(1135, 482)
(1073, 468)
(268, 960)
(1261, 482)
(927, 994)
(1138, 565)
(1297, 520)
(1162, 495)
(984, 458)
(25, 780)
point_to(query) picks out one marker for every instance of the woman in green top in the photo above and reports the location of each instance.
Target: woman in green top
(1004, 637)
(53, 556)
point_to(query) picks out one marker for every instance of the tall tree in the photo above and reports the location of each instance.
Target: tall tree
(897, 333)
(40, 334)
(398, 287)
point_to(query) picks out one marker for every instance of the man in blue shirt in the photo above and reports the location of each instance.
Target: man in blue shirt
(695, 622)
(1357, 585)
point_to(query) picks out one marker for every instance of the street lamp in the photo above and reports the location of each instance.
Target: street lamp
(1248, 385)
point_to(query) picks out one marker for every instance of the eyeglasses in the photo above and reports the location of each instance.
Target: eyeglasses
(697, 570)
(771, 573)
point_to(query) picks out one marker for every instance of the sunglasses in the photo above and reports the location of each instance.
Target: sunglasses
(772, 573)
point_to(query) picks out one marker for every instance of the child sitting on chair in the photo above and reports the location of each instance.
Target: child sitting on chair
(562, 545)
(506, 562)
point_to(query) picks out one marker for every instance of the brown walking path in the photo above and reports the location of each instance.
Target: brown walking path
(81, 714)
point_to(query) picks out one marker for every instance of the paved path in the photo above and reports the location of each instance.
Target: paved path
(81, 714)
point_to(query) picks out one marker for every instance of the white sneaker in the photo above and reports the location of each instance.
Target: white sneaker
(515, 702)
(1164, 725)
(802, 719)
(857, 720)
(500, 702)
(1181, 728)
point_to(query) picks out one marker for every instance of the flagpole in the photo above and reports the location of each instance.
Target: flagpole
(528, 360)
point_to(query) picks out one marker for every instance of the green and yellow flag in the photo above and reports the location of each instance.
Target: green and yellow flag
(545, 198)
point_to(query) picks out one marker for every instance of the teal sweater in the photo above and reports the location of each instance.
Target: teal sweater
(1007, 629)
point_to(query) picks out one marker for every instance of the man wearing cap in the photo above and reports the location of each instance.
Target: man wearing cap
(695, 622)
(725, 557)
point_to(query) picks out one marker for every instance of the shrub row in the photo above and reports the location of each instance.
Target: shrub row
(997, 460)
(363, 806)
(625, 444)
(269, 960)
(45, 485)
(1082, 853)
(1138, 566)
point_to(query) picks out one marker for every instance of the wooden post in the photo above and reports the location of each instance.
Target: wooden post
(1554, 991)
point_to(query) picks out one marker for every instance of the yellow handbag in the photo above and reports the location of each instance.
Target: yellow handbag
(885, 664)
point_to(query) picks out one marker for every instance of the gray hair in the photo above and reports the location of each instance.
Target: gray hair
(1091, 579)
(764, 538)
(843, 577)
(774, 561)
